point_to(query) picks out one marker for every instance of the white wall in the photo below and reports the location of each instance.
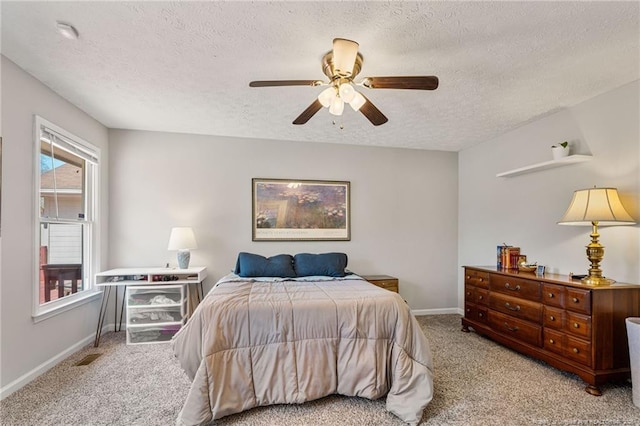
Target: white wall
(403, 205)
(26, 345)
(523, 210)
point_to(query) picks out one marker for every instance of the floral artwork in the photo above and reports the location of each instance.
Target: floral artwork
(300, 210)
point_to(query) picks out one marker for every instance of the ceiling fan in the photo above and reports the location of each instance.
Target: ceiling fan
(342, 65)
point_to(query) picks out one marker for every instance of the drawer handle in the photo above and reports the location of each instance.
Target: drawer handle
(552, 318)
(511, 328)
(468, 277)
(575, 300)
(512, 308)
(553, 342)
(480, 279)
(508, 287)
(480, 314)
(551, 295)
(479, 297)
(575, 350)
(576, 325)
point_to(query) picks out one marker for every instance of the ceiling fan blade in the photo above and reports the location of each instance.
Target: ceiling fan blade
(373, 114)
(308, 113)
(419, 83)
(273, 83)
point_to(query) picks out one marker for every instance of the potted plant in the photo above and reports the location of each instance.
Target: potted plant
(560, 150)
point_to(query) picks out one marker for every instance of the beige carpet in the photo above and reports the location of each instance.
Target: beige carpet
(477, 382)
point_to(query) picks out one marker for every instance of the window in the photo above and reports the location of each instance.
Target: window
(66, 229)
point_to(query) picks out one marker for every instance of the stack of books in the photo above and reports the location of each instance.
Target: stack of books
(508, 257)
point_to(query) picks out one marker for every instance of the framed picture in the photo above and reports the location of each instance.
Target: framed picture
(300, 210)
(540, 270)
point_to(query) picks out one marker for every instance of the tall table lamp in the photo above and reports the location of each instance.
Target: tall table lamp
(183, 240)
(596, 207)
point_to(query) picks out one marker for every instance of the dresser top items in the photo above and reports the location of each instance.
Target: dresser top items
(550, 278)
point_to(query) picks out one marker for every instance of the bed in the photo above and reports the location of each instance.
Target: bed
(262, 340)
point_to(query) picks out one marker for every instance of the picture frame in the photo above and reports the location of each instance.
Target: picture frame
(540, 270)
(300, 210)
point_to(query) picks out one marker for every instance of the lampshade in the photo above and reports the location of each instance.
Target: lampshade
(601, 205)
(327, 96)
(337, 106)
(357, 101)
(182, 238)
(344, 56)
(347, 92)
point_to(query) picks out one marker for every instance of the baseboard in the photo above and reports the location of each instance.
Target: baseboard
(28, 377)
(439, 311)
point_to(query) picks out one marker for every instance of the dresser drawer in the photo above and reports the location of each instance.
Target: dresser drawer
(471, 311)
(554, 341)
(516, 307)
(476, 278)
(579, 325)
(482, 296)
(525, 289)
(578, 300)
(553, 318)
(553, 295)
(469, 293)
(483, 314)
(477, 313)
(516, 328)
(578, 350)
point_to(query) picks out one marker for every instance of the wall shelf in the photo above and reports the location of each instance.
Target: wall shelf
(571, 159)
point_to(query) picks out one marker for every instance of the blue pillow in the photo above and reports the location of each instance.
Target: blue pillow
(254, 265)
(326, 264)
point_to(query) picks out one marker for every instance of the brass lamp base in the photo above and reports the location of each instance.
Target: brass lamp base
(595, 253)
(597, 281)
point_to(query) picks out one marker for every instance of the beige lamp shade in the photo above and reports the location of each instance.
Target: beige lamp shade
(182, 238)
(601, 205)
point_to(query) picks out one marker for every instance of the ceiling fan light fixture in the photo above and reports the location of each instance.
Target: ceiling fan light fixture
(341, 65)
(357, 101)
(327, 96)
(344, 56)
(337, 106)
(347, 92)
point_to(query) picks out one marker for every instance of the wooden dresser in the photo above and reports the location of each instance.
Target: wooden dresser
(568, 325)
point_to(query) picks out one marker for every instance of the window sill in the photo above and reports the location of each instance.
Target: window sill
(45, 312)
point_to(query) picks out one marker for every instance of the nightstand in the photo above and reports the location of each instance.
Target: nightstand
(384, 281)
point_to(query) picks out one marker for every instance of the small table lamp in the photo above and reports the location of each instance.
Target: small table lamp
(182, 239)
(593, 207)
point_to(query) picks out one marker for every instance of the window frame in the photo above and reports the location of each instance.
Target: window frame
(91, 223)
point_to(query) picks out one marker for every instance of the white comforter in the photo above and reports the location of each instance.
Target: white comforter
(255, 342)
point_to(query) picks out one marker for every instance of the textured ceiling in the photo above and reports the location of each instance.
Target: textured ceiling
(185, 66)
